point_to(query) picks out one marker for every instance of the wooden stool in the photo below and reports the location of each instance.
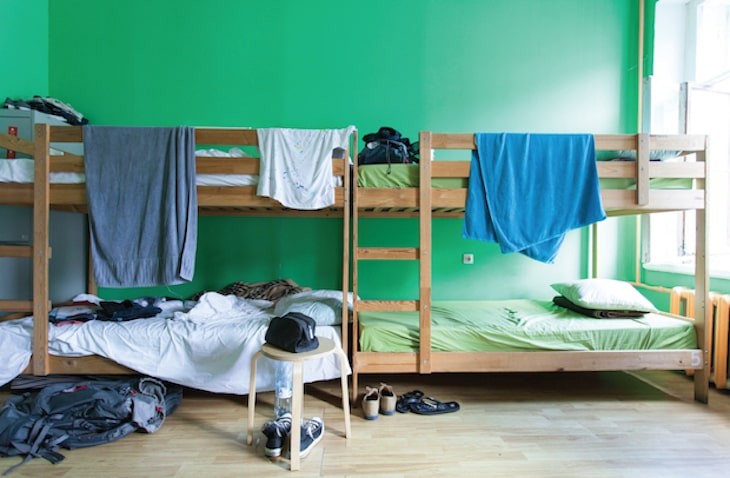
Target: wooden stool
(326, 346)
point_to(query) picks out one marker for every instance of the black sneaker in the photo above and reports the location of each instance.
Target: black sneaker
(276, 431)
(312, 433)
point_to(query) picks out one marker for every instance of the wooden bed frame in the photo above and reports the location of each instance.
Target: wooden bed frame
(427, 203)
(212, 200)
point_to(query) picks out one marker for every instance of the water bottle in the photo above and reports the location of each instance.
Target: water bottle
(282, 388)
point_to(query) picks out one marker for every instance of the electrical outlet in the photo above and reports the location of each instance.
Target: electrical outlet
(468, 259)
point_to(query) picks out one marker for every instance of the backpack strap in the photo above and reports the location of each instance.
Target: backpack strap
(39, 445)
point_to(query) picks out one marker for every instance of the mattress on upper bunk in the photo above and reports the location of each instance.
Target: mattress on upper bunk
(21, 170)
(406, 176)
(520, 325)
(208, 346)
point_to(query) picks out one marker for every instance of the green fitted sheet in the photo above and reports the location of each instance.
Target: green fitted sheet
(400, 176)
(406, 176)
(520, 325)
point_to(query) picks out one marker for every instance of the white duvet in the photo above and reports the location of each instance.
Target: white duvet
(208, 347)
(21, 170)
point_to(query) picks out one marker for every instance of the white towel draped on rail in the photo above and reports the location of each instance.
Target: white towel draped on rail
(296, 165)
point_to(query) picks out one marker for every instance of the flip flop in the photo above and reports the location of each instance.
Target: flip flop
(404, 401)
(431, 406)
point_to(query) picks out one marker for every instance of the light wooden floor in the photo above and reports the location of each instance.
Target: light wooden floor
(607, 424)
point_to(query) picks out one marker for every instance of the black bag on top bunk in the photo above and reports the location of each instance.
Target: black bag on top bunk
(387, 146)
(293, 332)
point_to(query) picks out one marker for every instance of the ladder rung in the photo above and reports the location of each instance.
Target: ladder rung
(387, 305)
(16, 250)
(388, 253)
(16, 305)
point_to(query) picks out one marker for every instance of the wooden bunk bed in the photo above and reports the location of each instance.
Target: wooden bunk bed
(43, 195)
(425, 202)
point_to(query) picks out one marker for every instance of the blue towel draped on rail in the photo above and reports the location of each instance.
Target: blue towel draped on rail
(142, 204)
(527, 190)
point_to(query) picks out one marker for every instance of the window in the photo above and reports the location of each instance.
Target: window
(690, 92)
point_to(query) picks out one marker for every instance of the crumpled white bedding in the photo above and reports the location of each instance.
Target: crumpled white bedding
(15, 347)
(208, 347)
(21, 170)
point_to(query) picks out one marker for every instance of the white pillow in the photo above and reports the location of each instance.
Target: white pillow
(324, 306)
(604, 294)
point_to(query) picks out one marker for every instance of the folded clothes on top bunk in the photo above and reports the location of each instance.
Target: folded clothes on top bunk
(527, 190)
(142, 204)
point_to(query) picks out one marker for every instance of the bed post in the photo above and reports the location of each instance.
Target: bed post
(702, 377)
(346, 180)
(41, 250)
(355, 332)
(642, 170)
(593, 250)
(91, 287)
(424, 255)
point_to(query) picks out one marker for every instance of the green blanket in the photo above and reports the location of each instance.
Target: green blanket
(520, 325)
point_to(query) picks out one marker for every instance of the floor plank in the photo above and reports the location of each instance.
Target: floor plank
(603, 424)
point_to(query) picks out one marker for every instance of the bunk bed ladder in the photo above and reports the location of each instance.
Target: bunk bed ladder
(424, 232)
(422, 254)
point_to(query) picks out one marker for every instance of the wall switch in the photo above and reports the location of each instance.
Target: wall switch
(468, 259)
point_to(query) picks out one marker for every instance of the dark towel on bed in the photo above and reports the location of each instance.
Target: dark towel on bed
(596, 313)
(140, 183)
(527, 190)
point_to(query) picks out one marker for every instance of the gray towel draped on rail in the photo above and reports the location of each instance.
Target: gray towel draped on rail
(142, 204)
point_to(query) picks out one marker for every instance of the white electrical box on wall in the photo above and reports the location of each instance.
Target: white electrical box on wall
(468, 258)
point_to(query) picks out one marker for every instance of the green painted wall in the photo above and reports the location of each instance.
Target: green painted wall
(466, 65)
(24, 46)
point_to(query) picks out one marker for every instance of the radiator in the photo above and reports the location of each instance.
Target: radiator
(682, 301)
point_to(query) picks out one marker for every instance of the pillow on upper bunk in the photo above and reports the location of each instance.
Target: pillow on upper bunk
(324, 306)
(654, 154)
(604, 294)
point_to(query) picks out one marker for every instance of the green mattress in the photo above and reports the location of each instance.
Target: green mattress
(406, 176)
(400, 176)
(520, 325)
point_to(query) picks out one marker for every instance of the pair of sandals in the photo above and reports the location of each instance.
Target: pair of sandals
(417, 402)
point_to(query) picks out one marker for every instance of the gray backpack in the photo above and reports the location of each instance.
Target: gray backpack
(82, 413)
